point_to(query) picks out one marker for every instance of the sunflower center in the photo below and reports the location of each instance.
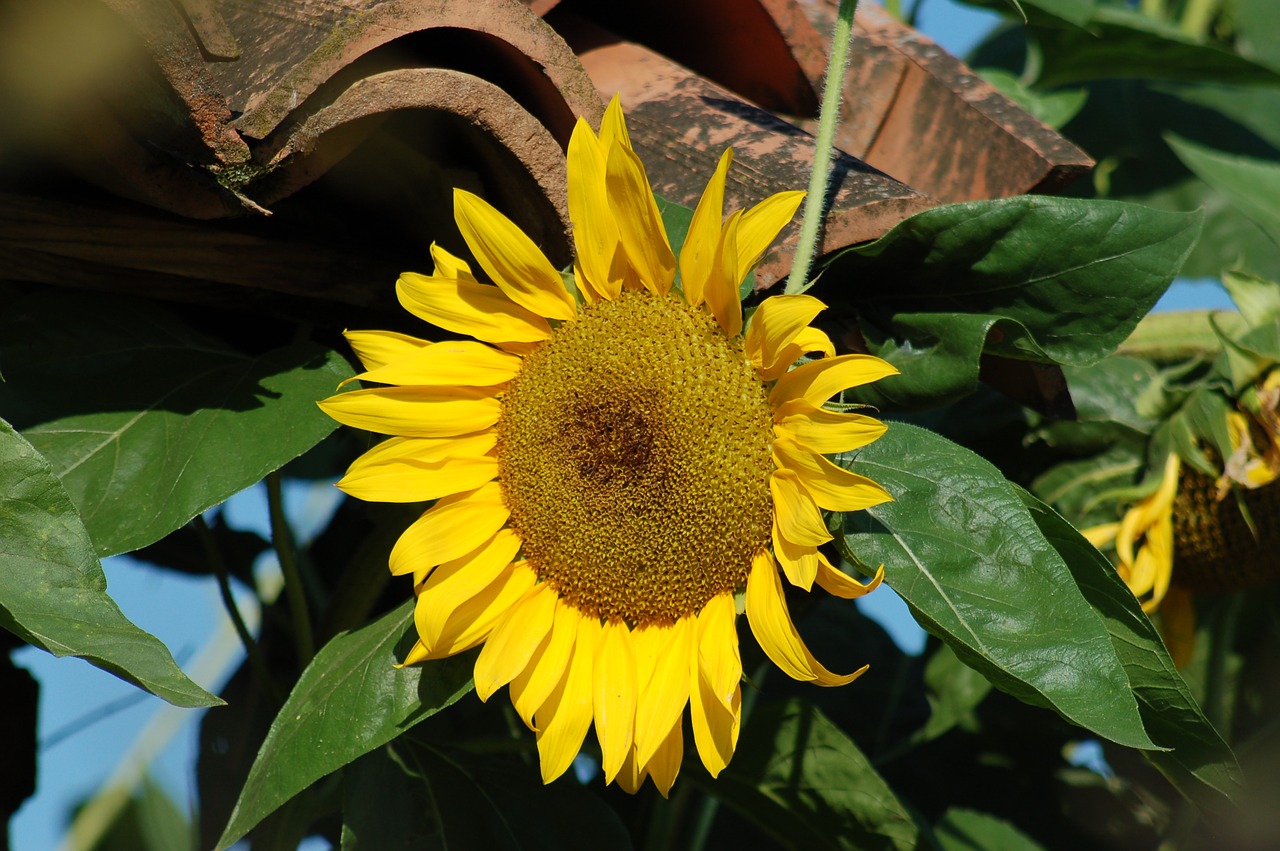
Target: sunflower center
(634, 453)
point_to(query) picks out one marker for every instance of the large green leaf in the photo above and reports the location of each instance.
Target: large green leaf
(1252, 185)
(962, 550)
(1197, 760)
(53, 593)
(799, 777)
(1048, 279)
(147, 421)
(351, 699)
(1118, 42)
(415, 795)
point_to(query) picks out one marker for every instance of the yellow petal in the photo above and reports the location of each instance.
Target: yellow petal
(613, 127)
(473, 621)
(771, 624)
(464, 307)
(632, 775)
(531, 688)
(807, 341)
(639, 223)
(833, 488)
(799, 562)
(453, 527)
(760, 227)
(817, 381)
(703, 237)
(515, 638)
(563, 720)
(722, 284)
(776, 323)
(840, 584)
(1102, 535)
(410, 480)
(416, 411)
(715, 728)
(395, 450)
(1178, 625)
(614, 697)
(454, 583)
(665, 764)
(797, 515)
(718, 659)
(826, 432)
(449, 266)
(379, 348)
(665, 692)
(595, 233)
(461, 363)
(511, 259)
(1146, 512)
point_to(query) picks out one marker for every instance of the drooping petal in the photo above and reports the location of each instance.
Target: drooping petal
(450, 529)
(809, 340)
(799, 562)
(632, 775)
(833, 488)
(416, 411)
(826, 432)
(718, 658)
(797, 515)
(771, 624)
(379, 348)
(664, 766)
(454, 583)
(722, 284)
(450, 266)
(776, 323)
(458, 363)
(410, 480)
(760, 227)
(562, 722)
(473, 621)
(614, 697)
(1178, 625)
(464, 307)
(665, 693)
(531, 688)
(511, 259)
(514, 640)
(837, 583)
(715, 728)
(817, 381)
(639, 223)
(702, 240)
(595, 233)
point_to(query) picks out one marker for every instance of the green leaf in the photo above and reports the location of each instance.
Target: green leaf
(1042, 12)
(1257, 298)
(1081, 488)
(954, 691)
(1047, 279)
(970, 830)
(1118, 42)
(962, 550)
(147, 421)
(1253, 185)
(1197, 760)
(799, 777)
(1054, 108)
(53, 593)
(1257, 30)
(351, 699)
(414, 795)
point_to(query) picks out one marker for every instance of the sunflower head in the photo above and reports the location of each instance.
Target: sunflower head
(615, 464)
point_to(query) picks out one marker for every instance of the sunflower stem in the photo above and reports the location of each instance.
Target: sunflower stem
(257, 662)
(282, 541)
(815, 203)
(1221, 636)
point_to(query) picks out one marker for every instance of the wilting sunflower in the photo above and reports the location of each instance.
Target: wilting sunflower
(614, 462)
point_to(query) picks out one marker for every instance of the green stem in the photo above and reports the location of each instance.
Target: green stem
(282, 541)
(894, 7)
(1154, 9)
(1221, 636)
(815, 203)
(257, 662)
(1197, 17)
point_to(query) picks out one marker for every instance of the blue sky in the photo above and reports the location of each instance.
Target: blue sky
(89, 720)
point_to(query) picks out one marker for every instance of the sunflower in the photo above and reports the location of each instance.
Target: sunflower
(619, 467)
